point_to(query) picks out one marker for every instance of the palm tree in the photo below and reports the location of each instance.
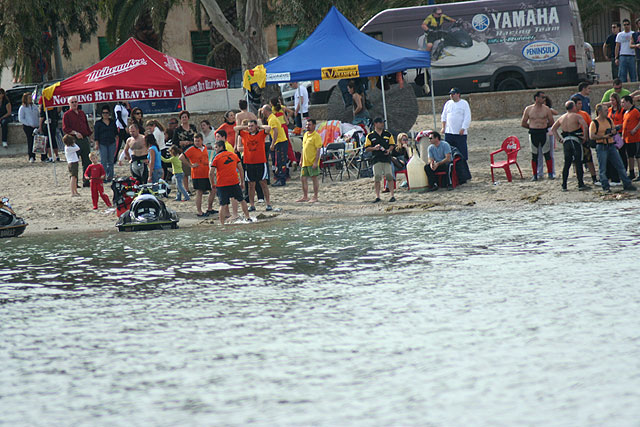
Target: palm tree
(144, 20)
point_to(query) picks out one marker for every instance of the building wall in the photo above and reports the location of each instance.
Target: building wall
(176, 41)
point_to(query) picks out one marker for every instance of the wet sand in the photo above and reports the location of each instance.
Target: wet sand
(50, 208)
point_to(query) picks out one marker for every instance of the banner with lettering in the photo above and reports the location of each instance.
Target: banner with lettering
(136, 71)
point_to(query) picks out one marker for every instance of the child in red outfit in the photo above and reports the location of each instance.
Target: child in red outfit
(96, 173)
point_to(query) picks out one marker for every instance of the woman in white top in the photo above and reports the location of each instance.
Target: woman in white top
(154, 127)
(29, 116)
(209, 137)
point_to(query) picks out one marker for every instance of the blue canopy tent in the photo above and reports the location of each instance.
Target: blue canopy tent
(338, 50)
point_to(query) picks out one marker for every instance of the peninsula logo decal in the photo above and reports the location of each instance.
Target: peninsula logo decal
(172, 64)
(540, 50)
(341, 72)
(106, 72)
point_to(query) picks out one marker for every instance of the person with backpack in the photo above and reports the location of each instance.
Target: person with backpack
(602, 131)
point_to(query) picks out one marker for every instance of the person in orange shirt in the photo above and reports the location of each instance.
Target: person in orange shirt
(587, 155)
(228, 170)
(229, 127)
(197, 158)
(631, 134)
(252, 145)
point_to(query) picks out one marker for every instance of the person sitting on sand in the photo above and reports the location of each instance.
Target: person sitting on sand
(574, 130)
(311, 148)
(139, 160)
(439, 159)
(229, 186)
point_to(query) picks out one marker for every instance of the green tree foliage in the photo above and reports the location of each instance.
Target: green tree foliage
(590, 10)
(28, 31)
(144, 20)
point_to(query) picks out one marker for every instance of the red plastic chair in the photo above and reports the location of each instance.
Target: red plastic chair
(403, 171)
(510, 146)
(454, 174)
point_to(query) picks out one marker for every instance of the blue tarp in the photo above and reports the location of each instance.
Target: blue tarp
(336, 42)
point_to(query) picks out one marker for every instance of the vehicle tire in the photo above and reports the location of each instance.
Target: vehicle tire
(510, 83)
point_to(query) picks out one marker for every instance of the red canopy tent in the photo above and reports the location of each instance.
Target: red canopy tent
(135, 71)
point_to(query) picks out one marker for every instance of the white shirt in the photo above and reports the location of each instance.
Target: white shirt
(209, 139)
(71, 153)
(125, 116)
(625, 40)
(159, 136)
(301, 92)
(456, 115)
(29, 116)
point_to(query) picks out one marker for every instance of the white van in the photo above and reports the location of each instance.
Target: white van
(495, 44)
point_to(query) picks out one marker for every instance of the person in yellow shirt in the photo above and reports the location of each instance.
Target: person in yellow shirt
(278, 145)
(311, 148)
(221, 135)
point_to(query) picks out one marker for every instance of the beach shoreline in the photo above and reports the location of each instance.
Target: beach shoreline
(51, 209)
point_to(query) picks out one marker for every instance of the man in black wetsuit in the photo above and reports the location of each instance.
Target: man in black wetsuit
(537, 117)
(574, 131)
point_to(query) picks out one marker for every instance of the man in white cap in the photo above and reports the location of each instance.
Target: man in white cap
(456, 118)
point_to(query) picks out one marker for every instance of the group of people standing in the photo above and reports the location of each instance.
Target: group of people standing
(614, 133)
(622, 48)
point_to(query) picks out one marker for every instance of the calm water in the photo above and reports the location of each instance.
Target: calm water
(530, 317)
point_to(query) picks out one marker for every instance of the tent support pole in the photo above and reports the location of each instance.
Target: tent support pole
(384, 102)
(433, 103)
(46, 114)
(226, 89)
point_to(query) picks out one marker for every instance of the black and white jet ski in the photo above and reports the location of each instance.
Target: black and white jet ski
(147, 211)
(10, 224)
(454, 47)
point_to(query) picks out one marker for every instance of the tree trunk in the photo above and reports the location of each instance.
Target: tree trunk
(57, 53)
(250, 42)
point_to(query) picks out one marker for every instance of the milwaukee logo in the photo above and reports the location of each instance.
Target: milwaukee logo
(106, 72)
(173, 64)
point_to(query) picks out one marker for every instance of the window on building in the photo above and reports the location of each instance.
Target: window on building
(200, 46)
(286, 33)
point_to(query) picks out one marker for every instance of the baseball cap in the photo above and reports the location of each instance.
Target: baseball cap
(454, 90)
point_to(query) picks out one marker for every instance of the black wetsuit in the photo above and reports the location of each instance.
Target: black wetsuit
(572, 147)
(139, 168)
(539, 142)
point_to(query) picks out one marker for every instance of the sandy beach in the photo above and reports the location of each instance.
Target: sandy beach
(49, 208)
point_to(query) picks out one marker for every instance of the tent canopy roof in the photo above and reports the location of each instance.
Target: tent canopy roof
(136, 71)
(336, 42)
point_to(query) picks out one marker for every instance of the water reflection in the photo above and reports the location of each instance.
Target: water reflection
(384, 320)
